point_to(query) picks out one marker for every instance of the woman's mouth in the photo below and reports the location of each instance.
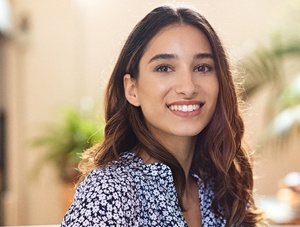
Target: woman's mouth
(185, 108)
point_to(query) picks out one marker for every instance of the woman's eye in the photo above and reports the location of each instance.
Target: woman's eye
(163, 68)
(203, 68)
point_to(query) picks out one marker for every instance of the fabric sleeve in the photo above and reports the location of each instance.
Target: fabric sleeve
(104, 198)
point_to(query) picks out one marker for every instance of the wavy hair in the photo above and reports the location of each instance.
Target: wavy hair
(219, 154)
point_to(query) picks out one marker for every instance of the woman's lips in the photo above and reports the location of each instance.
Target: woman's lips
(186, 108)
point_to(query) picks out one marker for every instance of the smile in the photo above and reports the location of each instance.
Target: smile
(185, 108)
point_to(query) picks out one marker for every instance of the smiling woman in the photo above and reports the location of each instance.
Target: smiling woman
(172, 153)
(178, 65)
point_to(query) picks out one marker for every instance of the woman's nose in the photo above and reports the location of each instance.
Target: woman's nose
(185, 84)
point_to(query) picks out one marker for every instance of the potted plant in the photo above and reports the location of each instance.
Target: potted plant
(65, 141)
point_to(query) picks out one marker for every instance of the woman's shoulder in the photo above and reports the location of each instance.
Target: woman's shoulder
(107, 194)
(117, 172)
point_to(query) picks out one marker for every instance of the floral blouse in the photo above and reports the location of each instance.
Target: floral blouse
(128, 192)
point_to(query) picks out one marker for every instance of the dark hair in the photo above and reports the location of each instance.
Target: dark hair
(219, 155)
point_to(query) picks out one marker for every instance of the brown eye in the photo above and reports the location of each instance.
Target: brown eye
(203, 68)
(163, 68)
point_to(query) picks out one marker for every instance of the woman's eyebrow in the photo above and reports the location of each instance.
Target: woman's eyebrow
(203, 55)
(163, 56)
(173, 56)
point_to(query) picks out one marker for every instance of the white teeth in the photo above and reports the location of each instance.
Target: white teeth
(184, 108)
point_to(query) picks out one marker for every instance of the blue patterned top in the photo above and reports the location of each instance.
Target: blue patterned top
(128, 192)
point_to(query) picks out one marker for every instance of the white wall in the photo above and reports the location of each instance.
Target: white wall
(68, 53)
(42, 76)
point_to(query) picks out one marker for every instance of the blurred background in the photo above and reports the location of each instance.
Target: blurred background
(55, 60)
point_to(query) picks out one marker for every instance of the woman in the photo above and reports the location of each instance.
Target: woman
(172, 153)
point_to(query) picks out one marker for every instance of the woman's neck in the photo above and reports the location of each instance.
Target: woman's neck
(182, 149)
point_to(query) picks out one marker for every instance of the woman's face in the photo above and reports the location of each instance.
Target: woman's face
(177, 86)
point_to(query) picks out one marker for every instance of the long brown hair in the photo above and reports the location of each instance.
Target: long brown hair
(219, 154)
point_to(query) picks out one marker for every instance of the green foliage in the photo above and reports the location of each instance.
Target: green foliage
(288, 105)
(277, 67)
(65, 141)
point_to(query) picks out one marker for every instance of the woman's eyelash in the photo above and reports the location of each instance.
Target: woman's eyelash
(163, 68)
(203, 68)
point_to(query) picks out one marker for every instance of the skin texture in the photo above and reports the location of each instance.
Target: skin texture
(177, 90)
(181, 79)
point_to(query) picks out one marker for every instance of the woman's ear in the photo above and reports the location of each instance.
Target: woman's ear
(130, 90)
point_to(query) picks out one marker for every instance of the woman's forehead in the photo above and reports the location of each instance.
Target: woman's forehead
(178, 39)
